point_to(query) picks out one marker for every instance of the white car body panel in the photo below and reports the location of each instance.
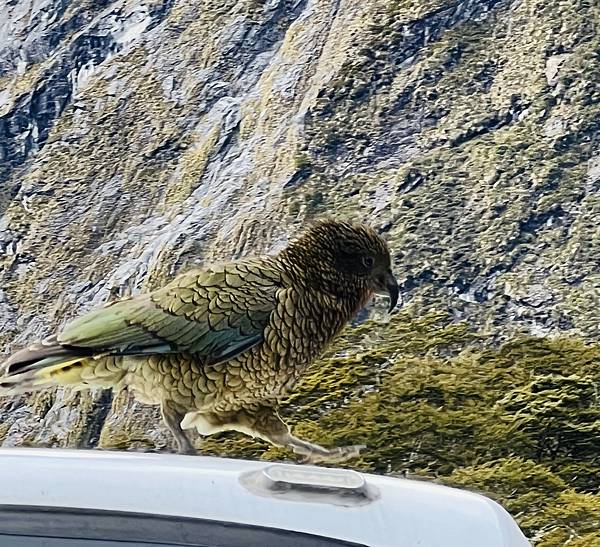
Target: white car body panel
(403, 513)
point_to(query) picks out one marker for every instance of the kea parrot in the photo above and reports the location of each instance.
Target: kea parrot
(219, 347)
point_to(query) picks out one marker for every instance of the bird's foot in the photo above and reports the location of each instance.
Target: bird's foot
(187, 451)
(334, 455)
(185, 446)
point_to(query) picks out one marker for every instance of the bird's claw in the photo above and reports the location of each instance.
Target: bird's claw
(335, 455)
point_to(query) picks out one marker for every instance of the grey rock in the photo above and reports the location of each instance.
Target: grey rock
(139, 138)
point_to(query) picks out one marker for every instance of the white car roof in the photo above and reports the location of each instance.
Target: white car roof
(366, 509)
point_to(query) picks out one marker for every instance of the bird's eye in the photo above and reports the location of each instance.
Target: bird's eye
(368, 261)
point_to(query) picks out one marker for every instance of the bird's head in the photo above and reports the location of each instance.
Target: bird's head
(343, 258)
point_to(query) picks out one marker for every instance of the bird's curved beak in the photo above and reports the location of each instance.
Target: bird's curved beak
(387, 285)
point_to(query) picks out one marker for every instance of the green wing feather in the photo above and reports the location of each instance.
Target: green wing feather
(217, 312)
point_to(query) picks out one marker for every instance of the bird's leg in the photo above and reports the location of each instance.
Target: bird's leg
(270, 427)
(172, 417)
(265, 423)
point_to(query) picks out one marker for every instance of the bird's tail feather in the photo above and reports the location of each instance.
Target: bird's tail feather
(39, 367)
(42, 376)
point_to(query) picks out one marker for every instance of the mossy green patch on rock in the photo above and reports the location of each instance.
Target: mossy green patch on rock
(474, 155)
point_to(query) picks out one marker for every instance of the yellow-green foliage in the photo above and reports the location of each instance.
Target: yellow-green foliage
(545, 506)
(519, 422)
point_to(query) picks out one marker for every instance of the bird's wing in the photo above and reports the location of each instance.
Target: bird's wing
(217, 312)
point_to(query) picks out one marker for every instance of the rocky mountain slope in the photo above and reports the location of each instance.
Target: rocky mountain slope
(139, 137)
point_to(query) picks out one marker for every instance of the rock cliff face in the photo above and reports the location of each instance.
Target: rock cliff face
(139, 137)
